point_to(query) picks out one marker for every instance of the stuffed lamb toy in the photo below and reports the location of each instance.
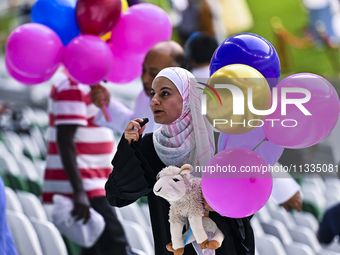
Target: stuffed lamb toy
(183, 192)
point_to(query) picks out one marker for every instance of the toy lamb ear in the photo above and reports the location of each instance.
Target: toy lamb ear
(157, 177)
(185, 169)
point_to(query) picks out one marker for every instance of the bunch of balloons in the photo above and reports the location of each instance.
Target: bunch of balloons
(307, 109)
(94, 39)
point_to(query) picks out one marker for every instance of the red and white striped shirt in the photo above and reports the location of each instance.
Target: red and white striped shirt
(70, 103)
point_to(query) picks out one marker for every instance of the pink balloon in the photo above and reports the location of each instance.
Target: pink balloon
(23, 79)
(126, 66)
(140, 27)
(234, 193)
(88, 59)
(310, 129)
(34, 50)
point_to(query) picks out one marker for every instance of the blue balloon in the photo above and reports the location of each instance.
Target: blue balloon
(248, 49)
(59, 15)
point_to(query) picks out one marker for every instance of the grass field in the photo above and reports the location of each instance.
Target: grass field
(295, 18)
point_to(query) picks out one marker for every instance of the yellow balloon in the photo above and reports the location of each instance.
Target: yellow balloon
(234, 81)
(106, 37)
(125, 5)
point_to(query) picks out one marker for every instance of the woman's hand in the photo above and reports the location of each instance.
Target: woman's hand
(132, 134)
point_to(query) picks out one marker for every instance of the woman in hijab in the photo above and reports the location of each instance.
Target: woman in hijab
(184, 137)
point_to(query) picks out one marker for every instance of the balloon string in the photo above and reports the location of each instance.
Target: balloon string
(265, 139)
(186, 240)
(105, 111)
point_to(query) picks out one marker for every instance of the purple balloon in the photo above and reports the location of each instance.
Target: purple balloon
(23, 79)
(234, 193)
(34, 50)
(269, 151)
(296, 130)
(88, 59)
(140, 27)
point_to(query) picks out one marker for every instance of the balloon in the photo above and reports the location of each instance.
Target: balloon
(88, 59)
(57, 15)
(233, 193)
(141, 27)
(241, 77)
(125, 5)
(248, 49)
(269, 151)
(23, 79)
(296, 130)
(34, 50)
(97, 17)
(126, 67)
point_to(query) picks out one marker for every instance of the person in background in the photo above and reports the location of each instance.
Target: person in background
(199, 50)
(197, 17)
(78, 161)
(161, 55)
(329, 226)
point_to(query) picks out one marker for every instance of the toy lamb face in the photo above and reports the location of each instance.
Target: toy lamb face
(172, 183)
(184, 194)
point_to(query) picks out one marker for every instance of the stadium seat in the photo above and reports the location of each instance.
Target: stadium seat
(12, 201)
(12, 172)
(269, 245)
(145, 209)
(134, 213)
(136, 237)
(298, 249)
(280, 214)
(24, 235)
(318, 182)
(14, 144)
(306, 236)
(314, 196)
(49, 237)
(278, 229)
(306, 219)
(31, 148)
(31, 205)
(31, 175)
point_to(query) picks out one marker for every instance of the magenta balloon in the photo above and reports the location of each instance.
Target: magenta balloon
(310, 129)
(23, 79)
(237, 194)
(140, 27)
(126, 66)
(269, 151)
(34, 50)
(88, 59)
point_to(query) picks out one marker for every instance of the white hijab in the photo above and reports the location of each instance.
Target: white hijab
(190, 138)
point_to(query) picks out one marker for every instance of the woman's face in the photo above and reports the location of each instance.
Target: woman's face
(166, 103)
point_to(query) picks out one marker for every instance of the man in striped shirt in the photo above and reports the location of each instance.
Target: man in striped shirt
(79, 161)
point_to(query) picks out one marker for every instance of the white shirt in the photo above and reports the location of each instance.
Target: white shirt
(121, 115)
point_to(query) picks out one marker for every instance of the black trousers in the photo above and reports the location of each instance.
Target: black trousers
(113, 240)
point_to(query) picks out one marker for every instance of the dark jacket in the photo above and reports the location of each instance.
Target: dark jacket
(134, 173)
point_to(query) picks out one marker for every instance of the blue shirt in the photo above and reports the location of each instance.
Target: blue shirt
(7, 246)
